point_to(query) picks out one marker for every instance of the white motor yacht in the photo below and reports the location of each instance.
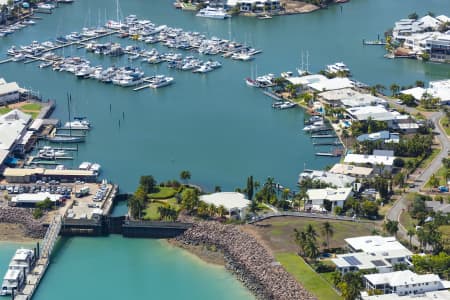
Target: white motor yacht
(13, 280)
(161, 81)
(337, 67)
(213, 13)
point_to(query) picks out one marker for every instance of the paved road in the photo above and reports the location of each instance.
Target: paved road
(422, 178)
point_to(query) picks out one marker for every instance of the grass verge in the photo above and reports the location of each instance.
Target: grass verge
(311, 280)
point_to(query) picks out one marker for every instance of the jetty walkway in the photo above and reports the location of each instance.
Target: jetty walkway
(33, 279)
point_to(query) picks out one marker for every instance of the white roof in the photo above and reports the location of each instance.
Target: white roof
(11, 127)
(3, 155)
(416, 92)
(350, 169)
(350, 97)
(337, 180)
(230, 200)
(361, 260)
(8, 88)
(375, 243)
(34, 198)
(369, 159)
(339, 194)
(443, 18)
(400, 278)
(307, 79)
(332, 84)
(234, 2)
(436, 295)
(439, 89)
(376, 112)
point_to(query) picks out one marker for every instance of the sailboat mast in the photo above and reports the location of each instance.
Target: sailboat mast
(69, 99)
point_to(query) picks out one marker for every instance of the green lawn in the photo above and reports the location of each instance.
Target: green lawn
(151, 211)
(162, 192)
(440, 174)
(445, 122)
(4, 110)
(430, 158)
(311, 280)
(406, 220)
(31, 106)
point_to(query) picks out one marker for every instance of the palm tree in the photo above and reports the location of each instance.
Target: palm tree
(411, 232)
(301, 239)
(434, 181)
(221, 211)
(185, 176)
(327, 230)
(394, 89)
(311, 232)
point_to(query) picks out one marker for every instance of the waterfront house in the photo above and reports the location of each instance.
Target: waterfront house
(348, 97)
(378, 161)
(437, 89)
(351, 170)
(436, 295)
(257, 6)
(385, 136)
(333, 179)
(337, 197)
(404, 283)
(336, 83)
(405, 27)
(235, 203)
(307, 79)
(372, 252)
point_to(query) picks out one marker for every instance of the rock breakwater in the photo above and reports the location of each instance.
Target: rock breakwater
(251, 263)
(32, 228)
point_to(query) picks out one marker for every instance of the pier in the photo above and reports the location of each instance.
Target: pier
(34, 278)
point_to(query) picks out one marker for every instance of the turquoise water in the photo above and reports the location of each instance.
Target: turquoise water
(213, 125)
(118, 268)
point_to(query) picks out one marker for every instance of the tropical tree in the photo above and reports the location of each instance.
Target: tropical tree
(189, 199)
(311, 232)
(395, 88)
(185, 176)
(147, 183)
(350, 285)
(221, 211)
(250, 187)
(328, 231)
(434, 181)
(391, 227)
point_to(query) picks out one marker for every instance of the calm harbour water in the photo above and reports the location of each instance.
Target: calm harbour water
(213, 125)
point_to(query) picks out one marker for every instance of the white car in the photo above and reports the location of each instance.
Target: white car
(398, 101)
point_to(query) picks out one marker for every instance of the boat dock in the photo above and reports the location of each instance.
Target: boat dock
(35, 277)
(323, 136)
(272, 95)
(63, 148)
(335, 143)
(147, 80)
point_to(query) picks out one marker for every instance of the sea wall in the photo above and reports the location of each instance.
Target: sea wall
(23, 216)
(252, 264)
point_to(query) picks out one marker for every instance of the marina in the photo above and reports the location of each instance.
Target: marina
(204, 105)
